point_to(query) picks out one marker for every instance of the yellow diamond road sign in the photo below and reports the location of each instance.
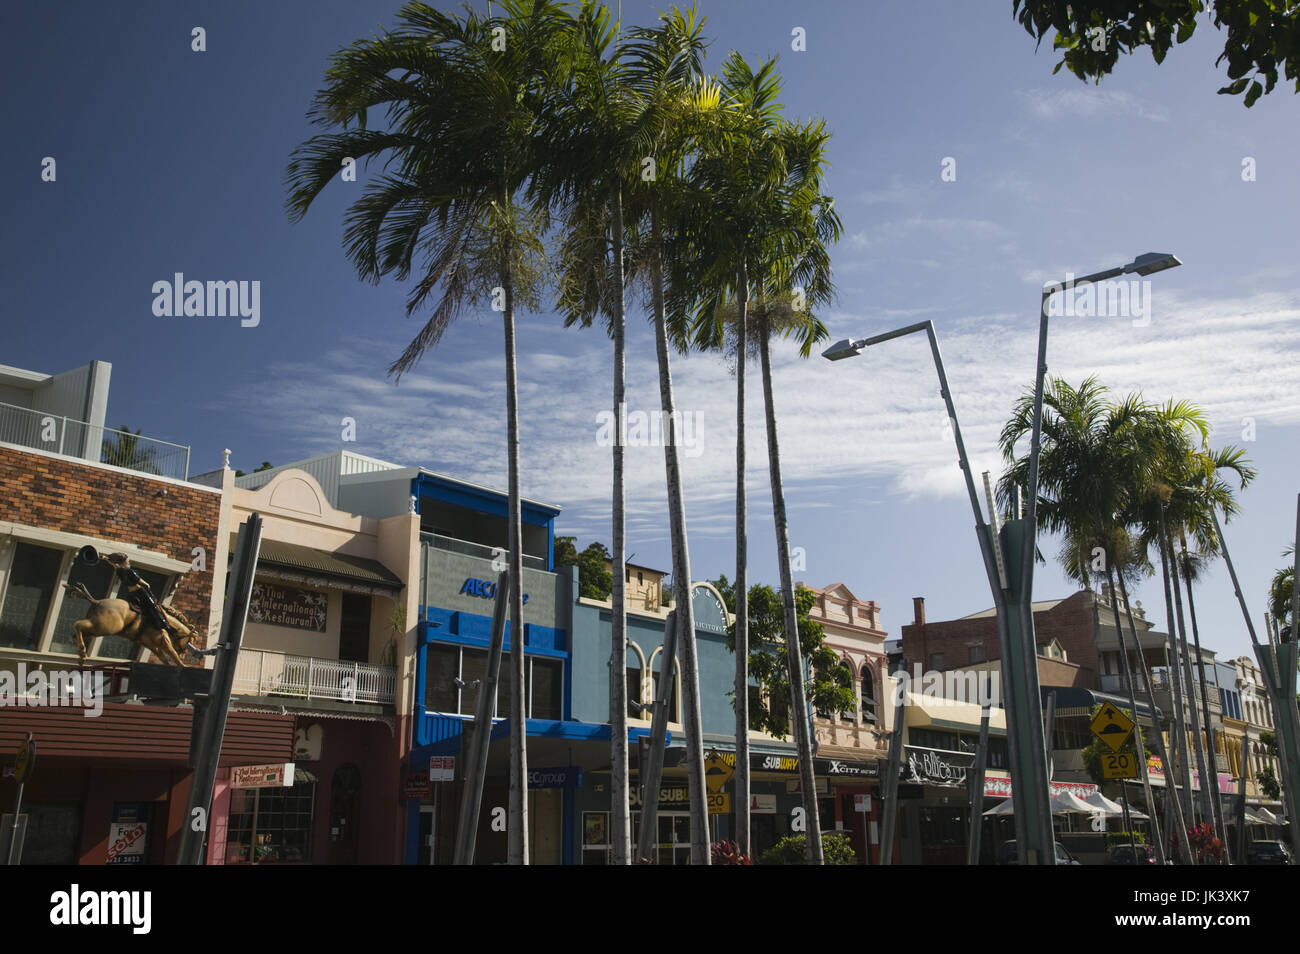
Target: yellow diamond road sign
(1112, 726)
(717, 772)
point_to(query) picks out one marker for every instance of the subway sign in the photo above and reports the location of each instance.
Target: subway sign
(484, 588)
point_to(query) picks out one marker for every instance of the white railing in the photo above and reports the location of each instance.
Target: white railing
(106, 445)
(260, 673)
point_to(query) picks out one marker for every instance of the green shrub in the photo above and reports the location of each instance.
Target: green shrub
(1114, 838)
(790, 850)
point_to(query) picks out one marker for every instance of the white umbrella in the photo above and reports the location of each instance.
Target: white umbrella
(1002, 808)
(1067, 801)
(1266, 817)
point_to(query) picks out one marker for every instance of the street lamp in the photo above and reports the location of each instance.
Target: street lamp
(1025, 745)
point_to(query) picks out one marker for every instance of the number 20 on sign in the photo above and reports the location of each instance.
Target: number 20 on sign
(1119, 765)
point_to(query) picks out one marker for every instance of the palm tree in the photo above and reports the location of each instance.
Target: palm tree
(1280, 593)
(124, 449)
(759, 221)
(1093, 456)
(462, 97)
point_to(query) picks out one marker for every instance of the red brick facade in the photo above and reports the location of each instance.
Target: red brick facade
(167, 517)
(1072, 622)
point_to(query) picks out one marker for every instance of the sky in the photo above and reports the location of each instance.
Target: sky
(965, 173)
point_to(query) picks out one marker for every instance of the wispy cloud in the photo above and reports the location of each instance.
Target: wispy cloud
(1089, 103)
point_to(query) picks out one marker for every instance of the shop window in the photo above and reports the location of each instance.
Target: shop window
(270, 825)
(119, 647)
(547, 685)
(98, 579)
(936, 662)
(634, 710)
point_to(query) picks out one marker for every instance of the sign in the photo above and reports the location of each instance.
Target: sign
(25, 760)
(787, 764)
(279, 775)
(127, 834)
(416, 785)
(936, 766)
(442, 768)
(719, 803)
(564, 776)
(1112, 727)
(484, 588)
(717, 772)
(842, 768)
(762, 804)
(1119, 765)
(862, 803)
(288, 606)
(999, 786)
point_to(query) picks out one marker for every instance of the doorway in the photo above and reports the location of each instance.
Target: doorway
(345, 806)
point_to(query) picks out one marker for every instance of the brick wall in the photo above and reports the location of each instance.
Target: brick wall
(74, 497)
(1071, 622)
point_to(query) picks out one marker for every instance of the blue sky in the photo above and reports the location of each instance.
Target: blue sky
(171, 161)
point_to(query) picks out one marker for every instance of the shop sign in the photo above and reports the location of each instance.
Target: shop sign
(765, 763)
(288, 606)
(937, 766)
(416, 785)
(279, 775)
(126, 835)
(442, 768)
(564, 776)
(1000, 787)
(842, 768)
(862, 803)
(484, 588)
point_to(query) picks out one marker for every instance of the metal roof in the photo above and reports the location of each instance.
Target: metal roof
(338, 565)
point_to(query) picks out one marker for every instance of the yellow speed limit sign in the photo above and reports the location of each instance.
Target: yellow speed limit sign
(719, 803)
(1119, 765)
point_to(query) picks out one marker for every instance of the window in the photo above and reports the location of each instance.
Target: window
(975, 653)
(270, 825)
(936, 661)
(634, 710)
(445, 663)
(37, 612)
(844, 676)
(868, 697)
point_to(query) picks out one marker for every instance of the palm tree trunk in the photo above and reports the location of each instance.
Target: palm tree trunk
(1171, 793)
(620, 814)
(1132, 697)
(1215, 797)
(1179, 726)
(793, 651)
(685, 618)
(742, 574)
(1198, 740)
(690, 662)
(517, 826)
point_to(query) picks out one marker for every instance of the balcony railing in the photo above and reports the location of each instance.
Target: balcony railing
(454, 545)
(260, 673)
(105, 445)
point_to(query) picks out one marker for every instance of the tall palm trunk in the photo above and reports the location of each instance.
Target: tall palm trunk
(1170, 793)
(690, 671)
(1215, 797)
(1132, 697)
(518, 810)
(742, 573)
(1198, 740)
(1180, 730)
(793, 651)
(621, 832)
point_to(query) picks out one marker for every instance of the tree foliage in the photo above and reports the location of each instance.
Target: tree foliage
(790, 850)
(594, 581)
(769, 708)
(1263, 36)
(124, 449)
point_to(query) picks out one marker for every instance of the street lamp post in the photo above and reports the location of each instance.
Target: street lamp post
(1013, 598)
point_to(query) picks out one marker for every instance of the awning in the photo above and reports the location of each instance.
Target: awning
(300, 564)
(923, 711)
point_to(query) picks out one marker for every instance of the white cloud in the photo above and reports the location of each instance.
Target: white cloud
(1089, 103)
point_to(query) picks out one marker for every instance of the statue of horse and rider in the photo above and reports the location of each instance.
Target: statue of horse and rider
(163, 630)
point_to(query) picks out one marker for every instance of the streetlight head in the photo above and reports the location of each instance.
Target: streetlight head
(1149, 263)
(844, 348)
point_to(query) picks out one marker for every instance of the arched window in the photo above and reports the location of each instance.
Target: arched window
(844, 676)
(868, 696)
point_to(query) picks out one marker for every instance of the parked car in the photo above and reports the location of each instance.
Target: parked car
(1267, 853)
(1127, 855)
(1007, 854)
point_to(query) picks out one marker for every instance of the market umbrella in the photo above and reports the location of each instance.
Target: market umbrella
(1003, 808)
(1067, 801)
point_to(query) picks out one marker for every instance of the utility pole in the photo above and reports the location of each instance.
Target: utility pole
(890, 814)
(977, 787)
(209, 722)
